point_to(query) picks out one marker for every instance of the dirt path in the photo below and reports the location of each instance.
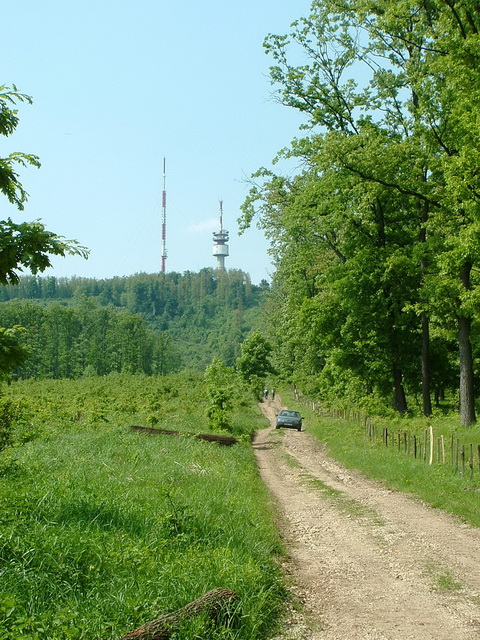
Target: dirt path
(365, 562)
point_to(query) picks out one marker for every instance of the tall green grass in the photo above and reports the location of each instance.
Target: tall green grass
(438, 485)
(103, 529)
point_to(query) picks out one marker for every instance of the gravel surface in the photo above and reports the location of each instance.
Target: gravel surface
(365, 562)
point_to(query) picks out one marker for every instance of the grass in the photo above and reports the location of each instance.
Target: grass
(438, 485)
(103, 529)
(443, 580)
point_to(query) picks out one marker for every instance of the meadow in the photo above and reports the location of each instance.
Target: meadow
(103, 529)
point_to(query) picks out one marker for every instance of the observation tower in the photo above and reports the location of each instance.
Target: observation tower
(220, 238)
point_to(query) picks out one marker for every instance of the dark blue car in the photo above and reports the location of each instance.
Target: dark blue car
(289, 419)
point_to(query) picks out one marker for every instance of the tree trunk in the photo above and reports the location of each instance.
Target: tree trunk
(227, 441)
(399, 399)
(213, 602)
(467, 395)
(426, 397)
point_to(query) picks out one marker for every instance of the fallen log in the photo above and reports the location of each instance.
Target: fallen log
(214, 603)
(210, 437)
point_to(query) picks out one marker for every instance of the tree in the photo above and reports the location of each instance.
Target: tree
(27, 245)
(341, 218)
(220, 386)
(11, 353)
(435, 47)
(254, 363)
(10, 184)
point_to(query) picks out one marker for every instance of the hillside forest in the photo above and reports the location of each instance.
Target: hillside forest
(146, 323)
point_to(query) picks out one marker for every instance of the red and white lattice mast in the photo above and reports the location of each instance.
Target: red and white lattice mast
(164, 221)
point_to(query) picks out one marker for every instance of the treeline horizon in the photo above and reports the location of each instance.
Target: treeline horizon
(146, 323)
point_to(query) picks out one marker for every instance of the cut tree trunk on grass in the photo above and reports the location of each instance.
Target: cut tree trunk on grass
(210, 437)
(213, 602)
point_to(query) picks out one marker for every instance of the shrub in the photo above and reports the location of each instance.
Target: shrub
(12, 414)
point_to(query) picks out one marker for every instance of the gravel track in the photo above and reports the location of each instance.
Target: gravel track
(365, 562)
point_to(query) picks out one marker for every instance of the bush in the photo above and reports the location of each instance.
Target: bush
(12, 414)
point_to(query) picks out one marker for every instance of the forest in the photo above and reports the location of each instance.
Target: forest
(146, 323)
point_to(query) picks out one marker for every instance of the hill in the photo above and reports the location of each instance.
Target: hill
(151, 323)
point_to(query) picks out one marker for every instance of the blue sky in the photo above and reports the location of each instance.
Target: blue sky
(118, 85)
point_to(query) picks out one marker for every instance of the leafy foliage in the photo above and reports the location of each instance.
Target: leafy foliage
(69, 342)
(375, 239)
(22, 246)
(29, 245)
(220, 382)
(12, 353)
(13, 415)
(254, 364)
(9, 181)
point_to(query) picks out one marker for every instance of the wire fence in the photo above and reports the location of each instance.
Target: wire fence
(426, 446)
(429, 447)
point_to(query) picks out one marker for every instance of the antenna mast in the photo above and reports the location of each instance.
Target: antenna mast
(220, 246)
(164, 220)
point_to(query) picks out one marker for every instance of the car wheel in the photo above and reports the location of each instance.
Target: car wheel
(299, 428)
